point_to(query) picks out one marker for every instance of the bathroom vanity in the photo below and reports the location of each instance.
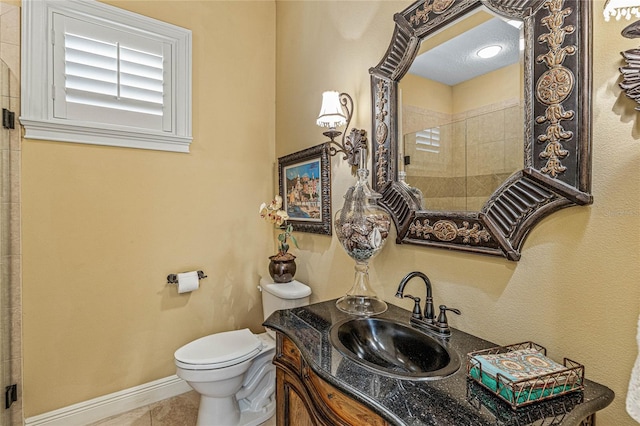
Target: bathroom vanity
(317, 384)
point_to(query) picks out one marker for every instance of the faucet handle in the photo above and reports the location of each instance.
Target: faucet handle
(416, 307)
(442, 318)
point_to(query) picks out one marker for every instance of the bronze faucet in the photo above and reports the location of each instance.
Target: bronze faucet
(427, 321)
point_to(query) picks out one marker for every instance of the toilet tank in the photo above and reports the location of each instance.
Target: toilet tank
(282, 295)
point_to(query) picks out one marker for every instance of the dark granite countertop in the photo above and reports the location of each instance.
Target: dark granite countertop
(453, 400)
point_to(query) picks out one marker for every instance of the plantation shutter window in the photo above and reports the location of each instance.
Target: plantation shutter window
(428, 140)
(101, 75)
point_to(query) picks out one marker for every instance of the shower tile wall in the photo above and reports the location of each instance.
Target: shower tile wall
(478, 150)
(10, 244)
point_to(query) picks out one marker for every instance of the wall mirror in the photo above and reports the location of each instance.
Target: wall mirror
(470, 153)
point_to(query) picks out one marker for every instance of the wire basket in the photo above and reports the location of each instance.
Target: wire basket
(543, 380)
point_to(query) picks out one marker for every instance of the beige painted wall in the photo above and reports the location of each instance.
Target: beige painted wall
(103, 227)
(427, 94)
(501, 85)
(575, 290)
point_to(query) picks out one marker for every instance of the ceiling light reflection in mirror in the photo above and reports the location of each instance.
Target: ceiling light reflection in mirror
(472, 105)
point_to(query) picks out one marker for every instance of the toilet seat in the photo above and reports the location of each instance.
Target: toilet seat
(218, 350)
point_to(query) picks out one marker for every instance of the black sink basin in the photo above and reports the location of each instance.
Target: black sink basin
(394, 349)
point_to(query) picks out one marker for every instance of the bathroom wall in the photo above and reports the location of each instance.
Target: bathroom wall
(575, 290)
(426, 94)
(103, 226)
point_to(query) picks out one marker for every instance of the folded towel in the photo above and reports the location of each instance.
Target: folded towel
(633, 394)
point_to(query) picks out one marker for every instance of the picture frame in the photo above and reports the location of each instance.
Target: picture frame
(305, 187)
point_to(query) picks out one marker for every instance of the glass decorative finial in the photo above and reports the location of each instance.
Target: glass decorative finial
(362, 228)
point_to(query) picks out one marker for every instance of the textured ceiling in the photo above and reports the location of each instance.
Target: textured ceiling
(456, 60)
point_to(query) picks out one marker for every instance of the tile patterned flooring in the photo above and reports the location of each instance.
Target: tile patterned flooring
(181, 410)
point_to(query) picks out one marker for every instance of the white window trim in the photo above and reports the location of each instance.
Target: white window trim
(37, 79)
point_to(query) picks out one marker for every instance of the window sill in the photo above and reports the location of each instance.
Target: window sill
(78, 133)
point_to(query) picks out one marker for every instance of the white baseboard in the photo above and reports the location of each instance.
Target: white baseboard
(100, 408)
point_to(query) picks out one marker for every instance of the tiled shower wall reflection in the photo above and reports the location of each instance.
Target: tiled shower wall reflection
(471, 155)
(10, 244)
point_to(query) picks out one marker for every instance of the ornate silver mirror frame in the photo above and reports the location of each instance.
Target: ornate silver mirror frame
(556, 140)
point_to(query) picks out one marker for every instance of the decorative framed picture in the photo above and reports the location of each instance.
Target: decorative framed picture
(305, 188)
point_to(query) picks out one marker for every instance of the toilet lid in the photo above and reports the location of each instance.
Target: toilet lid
(219, 350)
(291, 290)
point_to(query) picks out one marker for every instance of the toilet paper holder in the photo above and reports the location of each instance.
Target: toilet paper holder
(173, 278)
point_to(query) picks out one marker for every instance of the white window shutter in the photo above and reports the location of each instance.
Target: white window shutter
(113, 80)
(108, 76)
(428, 140)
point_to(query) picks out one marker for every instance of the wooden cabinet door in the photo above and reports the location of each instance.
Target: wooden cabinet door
(291, 408)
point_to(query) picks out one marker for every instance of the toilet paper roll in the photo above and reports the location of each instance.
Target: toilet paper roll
(188, 281)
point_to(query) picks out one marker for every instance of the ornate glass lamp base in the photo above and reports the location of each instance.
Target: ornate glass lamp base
(361, 305)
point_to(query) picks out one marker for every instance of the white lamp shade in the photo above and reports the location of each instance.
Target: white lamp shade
(621, 9)
(331, 113)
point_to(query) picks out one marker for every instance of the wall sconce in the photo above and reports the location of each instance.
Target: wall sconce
(336, 111)
(621, 9)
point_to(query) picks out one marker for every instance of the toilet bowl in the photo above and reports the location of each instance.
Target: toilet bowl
(233, 371)
(215, 366)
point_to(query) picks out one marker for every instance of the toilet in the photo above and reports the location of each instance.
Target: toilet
(233, 371)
